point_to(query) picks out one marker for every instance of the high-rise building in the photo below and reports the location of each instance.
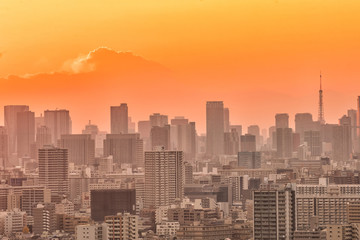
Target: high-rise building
(10, 118)
(255, 130)
(313, 140)
(119, 119)
(12, 222)
(282, 120)
(358, 118)
(81, 148)
(248, 143)
(59, 123)
(341, 140)
(164, 178)
(106, 202)
(91, 129)
(231, 142)
(284, 142)
(4, 146)
(183, 136)
(303, 122)
(274, 213)
(25, 132)
(215, 128)
(53, 171)
(249, 160)
(122, 226)
(43, 136)
(44, 218)
(144, 128)
(125, 148)
(226, 120)
(160, 136)
(158, 120)
(352, 114)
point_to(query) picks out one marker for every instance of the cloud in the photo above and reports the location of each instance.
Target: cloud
(88, 84)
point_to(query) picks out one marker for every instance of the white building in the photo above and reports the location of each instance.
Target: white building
(167, 228)
(12, 222)
(122, 226)
(91, 231)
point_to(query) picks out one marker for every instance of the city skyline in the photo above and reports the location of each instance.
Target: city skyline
(246, 54)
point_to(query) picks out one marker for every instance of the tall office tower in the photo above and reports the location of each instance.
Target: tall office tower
(122, 226)
(183, 136)
(226, 120)
(131, 126)
(4, 146)
(272, 137)
(39, 121)
(106, 202)
(158, 120)
(303, 122)
(358, 118)
(81, 148)
(255, 130)
(160, 136)
(44, 218)
(231, 142)
(189, 173)
(214, 128)
(249, 160)
(91, 129)
(321, 118)
(313, 140)
(341, 140)
(282, 120)
(284, 142)
(248, 143)
(53, 171)
(274, 213)
(25, 132)
(125, 148)
(238, 129)
(119, 119)
(59, 123)
(43, 136)
(10, 118)
(353, 118)
(144, 128)
(164, 178)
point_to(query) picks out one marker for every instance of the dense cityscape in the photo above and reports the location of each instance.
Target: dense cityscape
(160, 179)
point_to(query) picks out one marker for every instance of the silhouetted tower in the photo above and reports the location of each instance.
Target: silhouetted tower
(321, 106)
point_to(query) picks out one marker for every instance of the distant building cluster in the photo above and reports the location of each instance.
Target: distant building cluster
(162, 180)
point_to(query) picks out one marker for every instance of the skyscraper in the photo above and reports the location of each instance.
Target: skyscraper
(119, 119)
(255, 130)
(303, 122)
(158, 120)
(274, 213)
(160, 136)
(10, 118)
(226, 120)
(164, 178)
(59, 123)
(25, 132)
(144, 128)
(231, 142)
(214, 128)
(81, 148)
(4, 146)
(53, 171)
(313, 140)
(250, 160)
(125, 148)
(282, 120)
(248, 143)
(284, 142)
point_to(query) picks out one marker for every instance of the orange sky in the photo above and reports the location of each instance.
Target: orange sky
(260, 57)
